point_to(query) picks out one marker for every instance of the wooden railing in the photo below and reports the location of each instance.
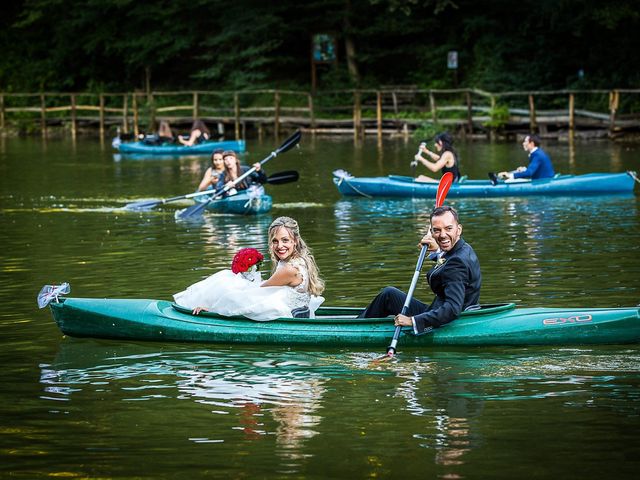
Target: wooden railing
(358, 112)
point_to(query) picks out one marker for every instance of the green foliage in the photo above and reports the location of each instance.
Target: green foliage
(427, 130)
(101, 45)
(499, 117)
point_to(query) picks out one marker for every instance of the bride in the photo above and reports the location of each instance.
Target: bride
(292, 290)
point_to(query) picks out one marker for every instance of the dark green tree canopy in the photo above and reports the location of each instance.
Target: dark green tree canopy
(118, 45)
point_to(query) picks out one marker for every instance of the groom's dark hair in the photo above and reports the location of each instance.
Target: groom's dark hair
(442, 210)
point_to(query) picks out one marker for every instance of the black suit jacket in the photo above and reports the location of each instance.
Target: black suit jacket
(456, 283)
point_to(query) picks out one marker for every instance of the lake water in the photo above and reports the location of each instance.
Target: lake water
(83, 408)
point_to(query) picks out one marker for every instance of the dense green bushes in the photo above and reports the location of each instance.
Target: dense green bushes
(121, 45)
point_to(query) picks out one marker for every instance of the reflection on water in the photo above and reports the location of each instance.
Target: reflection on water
(298, 398)
(288, 388)
(291, 398)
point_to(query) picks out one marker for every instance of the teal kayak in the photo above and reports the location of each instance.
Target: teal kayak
(500, 324)
(240, 203)
(571, 185)
(203, 148)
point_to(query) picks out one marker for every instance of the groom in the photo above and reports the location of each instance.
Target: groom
(455, 279)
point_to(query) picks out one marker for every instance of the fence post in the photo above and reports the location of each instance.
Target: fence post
(73, 117)
(357, 113)
(236, 110)
(101, 99)
(469, 113)
(492, 130)
(379, 113)
(43, 115)
(196, 105)
(276, 127)
(572, 124)
(151, 101)
(394, 99)
(125, 113)
(432, 106)
(312, 116)
(614, 101)
(134, 106)
(533, 124)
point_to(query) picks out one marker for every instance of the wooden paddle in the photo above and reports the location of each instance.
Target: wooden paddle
(279, 178)
(197, 209)
(441, 194)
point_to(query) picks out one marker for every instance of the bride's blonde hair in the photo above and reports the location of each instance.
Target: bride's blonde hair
(300, 250)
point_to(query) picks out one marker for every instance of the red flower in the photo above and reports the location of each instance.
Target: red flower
(245, 259)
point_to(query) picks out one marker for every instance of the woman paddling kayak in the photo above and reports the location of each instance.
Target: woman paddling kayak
(444, 161)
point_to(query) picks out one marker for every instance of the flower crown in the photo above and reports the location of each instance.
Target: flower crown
(245, 259)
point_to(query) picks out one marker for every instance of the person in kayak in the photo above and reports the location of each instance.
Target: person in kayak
(199, 133)
(213, 173)
(165, 134)
(540, 165)
(455, 279)
(293, 266)
(446, 160)
(162, 136)
(233, 170)
(292, 290)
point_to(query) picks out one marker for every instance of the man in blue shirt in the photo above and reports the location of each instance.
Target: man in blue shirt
(539, 162)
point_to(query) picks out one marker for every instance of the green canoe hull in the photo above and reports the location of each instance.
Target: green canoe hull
(158, 320)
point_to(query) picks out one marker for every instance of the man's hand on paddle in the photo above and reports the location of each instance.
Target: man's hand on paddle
(402, 321)
(429, 241)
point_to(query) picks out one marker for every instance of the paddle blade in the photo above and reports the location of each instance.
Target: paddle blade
(283, 177)
(142, 205)
(290, 142)
(383, 358)
(443, 188)
(191, 211)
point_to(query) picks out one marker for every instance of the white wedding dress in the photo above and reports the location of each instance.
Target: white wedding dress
(237, 294)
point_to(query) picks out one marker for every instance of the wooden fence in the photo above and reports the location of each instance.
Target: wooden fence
(389, 110)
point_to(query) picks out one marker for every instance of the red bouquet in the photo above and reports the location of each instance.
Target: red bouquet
(245, 259)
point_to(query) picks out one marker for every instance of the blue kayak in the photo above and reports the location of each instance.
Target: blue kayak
(241, 203)
(203, 148)
(571, 185)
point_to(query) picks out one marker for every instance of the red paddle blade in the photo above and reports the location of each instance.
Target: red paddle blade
(443, 188)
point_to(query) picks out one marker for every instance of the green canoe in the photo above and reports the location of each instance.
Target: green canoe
(501, 324)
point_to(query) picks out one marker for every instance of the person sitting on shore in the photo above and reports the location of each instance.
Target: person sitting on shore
(444, 161)
(233, 170)
(199, 133)
(213, 173)
(540, 165)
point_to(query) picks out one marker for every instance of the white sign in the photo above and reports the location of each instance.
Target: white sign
(452, 60)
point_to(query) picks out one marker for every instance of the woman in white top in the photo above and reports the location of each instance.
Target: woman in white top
(293, 265)
(292, 290)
